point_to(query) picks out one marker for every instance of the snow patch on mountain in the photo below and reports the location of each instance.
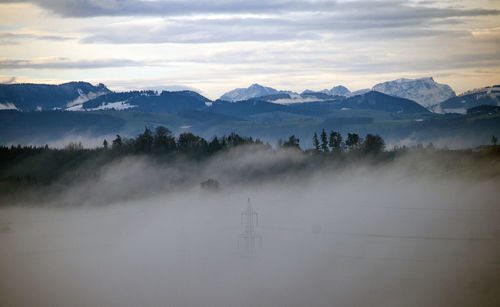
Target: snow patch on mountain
(494, 91)
(295, 100)
(84, 97)
(425, 91)
(456, 110)
(7, 106)
(119, 105)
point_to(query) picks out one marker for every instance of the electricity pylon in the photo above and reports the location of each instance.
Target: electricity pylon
(249, 220)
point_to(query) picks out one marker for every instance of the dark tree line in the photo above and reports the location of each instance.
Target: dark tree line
(334, 143)
(162, 141)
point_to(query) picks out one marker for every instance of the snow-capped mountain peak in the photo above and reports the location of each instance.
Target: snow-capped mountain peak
(338, 90)
(425, 91)
(254, 90)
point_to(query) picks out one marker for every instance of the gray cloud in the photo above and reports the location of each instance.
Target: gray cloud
(201, 31)
(276, 61)
(374, 19)
(8, 38)
(66, 63)
(89, 8)
(92, 8)
(294, 20)
(300, 39)
(467, 61)
(8, 80)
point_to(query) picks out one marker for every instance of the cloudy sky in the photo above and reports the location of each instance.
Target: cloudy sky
(217, 45)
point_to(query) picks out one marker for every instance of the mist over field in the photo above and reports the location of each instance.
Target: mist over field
(421, 230)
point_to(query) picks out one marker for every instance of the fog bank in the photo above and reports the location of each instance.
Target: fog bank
(409, 233)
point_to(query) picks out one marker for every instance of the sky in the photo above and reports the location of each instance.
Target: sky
(214, 46)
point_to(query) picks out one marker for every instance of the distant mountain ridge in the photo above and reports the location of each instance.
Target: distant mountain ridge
(83, 96)
(424, 91)
(147, 101)
(460, 104)
(31, 97)
(338, 90)
(257, 91)
(368, 101)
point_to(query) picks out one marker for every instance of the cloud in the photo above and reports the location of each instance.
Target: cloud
(8, 38)
(8, 80)
(67, 63)
(92, 8)
(215, 45)
(367, 20)
(199, 31)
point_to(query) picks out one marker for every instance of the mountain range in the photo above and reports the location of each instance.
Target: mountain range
(424, 91)
(80, 96)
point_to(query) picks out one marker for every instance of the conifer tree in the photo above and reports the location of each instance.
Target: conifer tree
(144, 141)
(352, 141)
(324, 141)
(292, 142)
(316, 142)
(374, 144)
(117, 143)
(335, 141)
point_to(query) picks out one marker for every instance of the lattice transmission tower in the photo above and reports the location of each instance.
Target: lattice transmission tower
(247, 241)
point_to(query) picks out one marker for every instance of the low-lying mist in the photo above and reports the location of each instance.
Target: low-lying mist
(416, 231)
